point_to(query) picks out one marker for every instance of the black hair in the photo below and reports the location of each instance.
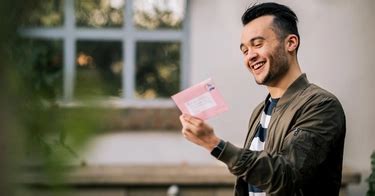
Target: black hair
(285, 20)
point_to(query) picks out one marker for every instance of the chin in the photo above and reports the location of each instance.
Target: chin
(259, 81)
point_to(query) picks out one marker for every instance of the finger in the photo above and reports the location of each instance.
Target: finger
(182, 119)
(187, 133)
(185, 124)
(193, 120)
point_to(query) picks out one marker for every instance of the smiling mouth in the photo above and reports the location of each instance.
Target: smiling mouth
(258, 65)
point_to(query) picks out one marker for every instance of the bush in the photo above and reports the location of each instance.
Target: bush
(371, 179)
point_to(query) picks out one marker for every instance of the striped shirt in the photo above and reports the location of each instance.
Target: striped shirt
(257, 144)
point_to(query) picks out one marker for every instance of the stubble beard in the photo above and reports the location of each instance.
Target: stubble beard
(279, 66)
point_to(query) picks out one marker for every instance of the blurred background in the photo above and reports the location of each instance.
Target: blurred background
(86, 106)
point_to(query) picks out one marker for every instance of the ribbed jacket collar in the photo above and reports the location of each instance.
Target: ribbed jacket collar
(299, 84)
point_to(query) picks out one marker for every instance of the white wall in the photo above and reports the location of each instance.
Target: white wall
(337, 47)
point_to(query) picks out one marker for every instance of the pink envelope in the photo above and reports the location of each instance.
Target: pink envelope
(202, 100)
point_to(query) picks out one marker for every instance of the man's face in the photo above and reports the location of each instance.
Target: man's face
(264, 54)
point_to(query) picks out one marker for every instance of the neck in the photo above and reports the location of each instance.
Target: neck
(277, 89)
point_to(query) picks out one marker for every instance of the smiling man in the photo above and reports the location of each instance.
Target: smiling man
(295, 140)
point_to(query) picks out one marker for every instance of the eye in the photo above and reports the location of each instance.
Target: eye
(258, 44)
(244, 50)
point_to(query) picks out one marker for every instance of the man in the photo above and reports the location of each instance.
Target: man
(296, 136)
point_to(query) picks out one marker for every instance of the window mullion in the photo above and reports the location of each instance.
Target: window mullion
(159, 35)
(129, 53)
(185, 49)
(69, 50)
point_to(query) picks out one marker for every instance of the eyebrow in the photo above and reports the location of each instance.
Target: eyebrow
(252, 40)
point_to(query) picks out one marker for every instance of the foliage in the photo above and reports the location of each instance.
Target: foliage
(163, 19)
(40, 67)
(49, 14)
(100, 67)
(98, 13)
(371, 179)
(35, 131)
(158, 73)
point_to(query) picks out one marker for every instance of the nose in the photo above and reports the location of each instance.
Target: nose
(251, 57)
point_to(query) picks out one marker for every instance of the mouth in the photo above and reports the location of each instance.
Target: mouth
(258, 65)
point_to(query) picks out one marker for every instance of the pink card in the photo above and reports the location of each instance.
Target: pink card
(202, 100)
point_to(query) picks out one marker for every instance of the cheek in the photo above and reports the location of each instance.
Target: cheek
(268, 55)
(245, 61)
(264, 52)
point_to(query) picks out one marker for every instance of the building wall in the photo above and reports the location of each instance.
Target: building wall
(337, 44)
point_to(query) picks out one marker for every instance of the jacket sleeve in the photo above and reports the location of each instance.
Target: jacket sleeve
(316, 130)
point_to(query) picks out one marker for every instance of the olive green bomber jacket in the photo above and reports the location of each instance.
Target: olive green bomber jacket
(303, 148)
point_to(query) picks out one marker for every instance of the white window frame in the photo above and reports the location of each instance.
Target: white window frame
(129, 35)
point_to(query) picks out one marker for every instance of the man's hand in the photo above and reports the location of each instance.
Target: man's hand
(197, 131)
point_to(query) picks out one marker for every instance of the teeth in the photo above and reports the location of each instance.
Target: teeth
(256, 66)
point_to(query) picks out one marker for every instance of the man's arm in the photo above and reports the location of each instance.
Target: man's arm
(318, 129)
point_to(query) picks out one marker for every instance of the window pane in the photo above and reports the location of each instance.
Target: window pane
(157, 69)
(47, 67)
(99, 69)
(154, 14)
(99, 13)
(49, 13)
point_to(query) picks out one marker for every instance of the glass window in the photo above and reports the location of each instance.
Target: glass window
(159, 14)
(158, 69)
(48, 13)
(47, 66)
(99, 13)
(95, 41)
(99, 67)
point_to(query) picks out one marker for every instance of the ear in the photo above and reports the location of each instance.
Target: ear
(292, 42)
